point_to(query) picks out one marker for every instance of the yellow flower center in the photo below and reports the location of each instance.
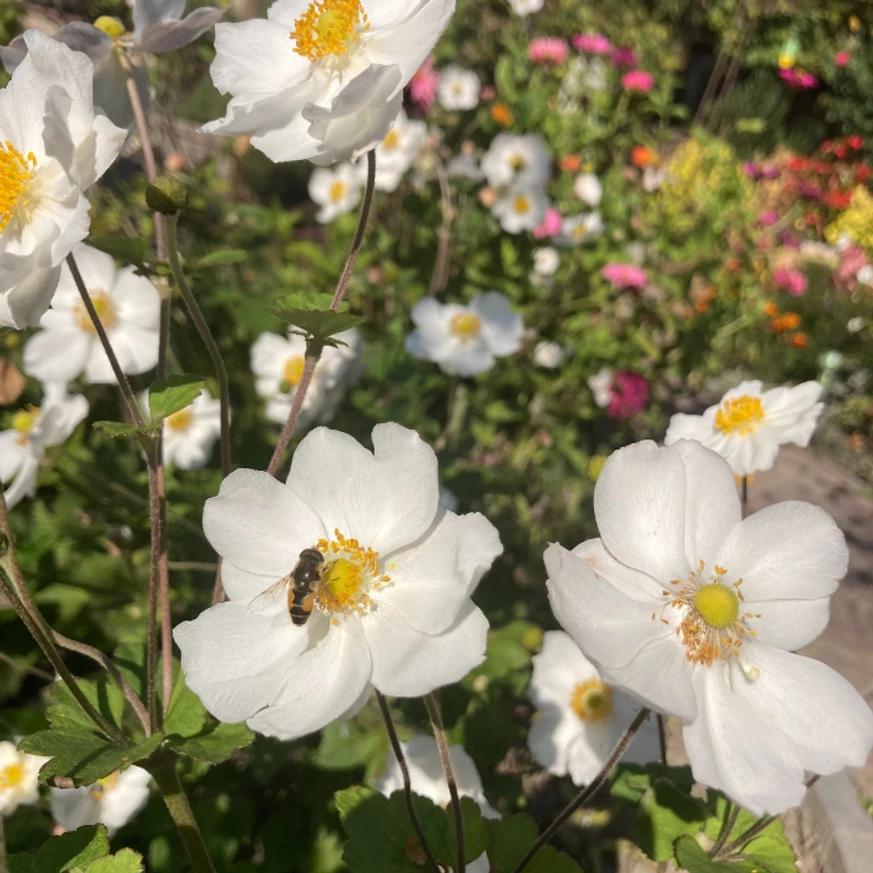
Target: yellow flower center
(517, 162)
(591, 700)
(712, 627)
(180, 420)
(104, 785)
(740, 415)
(293, 371)
(16, 179)
(104, 309)
(521, 205)
(391, 141)
(110, 25)
(337, 190)
(23, 421)
(351, 572)
(329, 27)
(465, 325)
(11, 776)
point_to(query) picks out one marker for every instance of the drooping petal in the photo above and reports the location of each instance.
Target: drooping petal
(13, 452)
(167, 36)
(632, 583)
(57, 355)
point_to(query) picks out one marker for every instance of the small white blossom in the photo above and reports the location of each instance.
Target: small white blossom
(549, 355)
(465, 166)
(546, 261)
(526, 7)
(601, 387)
(337, 190)
(19, 778)
(517, 159)
(865, 275)
(395, 154)
(747, 426)
(465, 340)
(578, 229)
(458, 88)
(856, 324)
(521, 207)
(588, 189)
(113, 801)
(190, 433)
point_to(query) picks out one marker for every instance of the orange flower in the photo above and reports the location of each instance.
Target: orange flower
(771, 309)
(800, 340)
(792, 320)
(502, 114)
(571, 163)
(643, 156)
(732, 265)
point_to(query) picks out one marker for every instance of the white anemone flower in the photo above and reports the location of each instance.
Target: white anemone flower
(523, 159)
(747, 426)
(521, 207)
(465, 166)
(465, 340)
(458, 89)
(581, 717)
(578, 229)
(546, 261)
(53, 147)
(19, 778)
(337, 190)
(113, 801)
(601, 387)
(277, 362)
(190, 433)
(388, 605)
(588, 189)
(129, 307)
(549, 355)
(322, 80)
(696, 611)
(34, 429)
(526, 7)
(395, 154)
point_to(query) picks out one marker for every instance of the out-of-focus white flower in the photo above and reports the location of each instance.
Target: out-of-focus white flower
(129, 307)
(856, 324)
(514, 159)
(278, 361)
(190, 433)
(581, 717)
(331, 91)
(395, 154)
(448, 499)
(578, 229)
(653, 178)
(112, 801)
(388, 606)
(465, 340)
(521, 207)
(465, 166)
(53, 147)
(601, 387)
(19, 772)
(549, 355)
(595, 77)
(526, 7)
(33, 430)
(747, 426)
(865, 275)
(336, 190)
(458, 88)
(696, 611)
(546, 261)
(588, 189)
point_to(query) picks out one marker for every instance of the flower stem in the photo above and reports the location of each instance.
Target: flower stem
(296, 405)
(436, 719)
(728, 826)
(440, 275)
(745, 493)
(662, 738)
(586, 793)
(162, 766)
(407, 782)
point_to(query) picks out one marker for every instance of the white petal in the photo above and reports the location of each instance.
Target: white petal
(557, 669)
(57, 355)
(73, 808)
(12, 454)
(25, 303)
(502, 328)
(551, 736)
(632, 583)
(126, 800)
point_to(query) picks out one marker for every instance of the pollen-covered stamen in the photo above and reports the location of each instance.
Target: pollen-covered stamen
(180, 421)
(11, 776)
(517, 162)
(337, 192)
(24, 421)
(465, 325)
(104, 308)
(16, 181)
(392, 141)
(591, 700)
(521, 205)
(329, 27)
(101, 786)
(292, 372)
(351, 572)
(740, 415)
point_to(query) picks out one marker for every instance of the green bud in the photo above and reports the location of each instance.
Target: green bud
(532, 638)
(167, 195)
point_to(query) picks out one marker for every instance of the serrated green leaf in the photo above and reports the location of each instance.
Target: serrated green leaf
(125, 861)
(666, 812)
(215, 744)
(475, 834)
(186, 715)
(632, 781)
(171, 395)
(130, 658)
(318, 324)
(127, 249)
(72, 850)
(309, 301)
(511, 837)
(65, 712)
(692, 857)
(220, 258)
(118, 429)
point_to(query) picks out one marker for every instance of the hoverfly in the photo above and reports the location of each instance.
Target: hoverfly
(301, 583)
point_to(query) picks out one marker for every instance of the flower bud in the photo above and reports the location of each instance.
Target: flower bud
(167, 195)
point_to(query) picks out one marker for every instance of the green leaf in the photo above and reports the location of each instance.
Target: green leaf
(347, 744)
(310, 313)
(173, 394)
(127, 249)
(666, 812)
(632, 781)
(22, 863)
(691, 856)
(475, 833)
(220, 258)
(511, 837)
(215, 744)
(186, 715)
(125, 861)
(71, 850)
(65, 712)
(118, 429)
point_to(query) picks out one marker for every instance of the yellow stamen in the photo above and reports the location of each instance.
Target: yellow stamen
(16, 180)
(517, 162)
(11, 776)
(391, 141)
(111, 26)
(23, 421)
(105, 312)
(739, 415)
(350, 572)
(337, 190)
(591, 700)
(180, 420)
(293, 371)
(521, 205)
(465, 325)
(101, 786)
(329, 27)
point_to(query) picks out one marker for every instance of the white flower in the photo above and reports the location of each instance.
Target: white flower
(112, 801)
(428, 780)
(52, 148)
(458, 88)
(601, 387)
(34, 430)
(747, 426)
(322, 81)
(865, 275)
(389, 607)
(546, 261)
(549, 355)
(526, 7)
(521, 207)
(395, 154)
(856, 324)
(653, 178)
(159, 26)
(19, 783)
(696, 611)
(129, 307)
(190, 433)
(336, 190)
(522, 159)
(578, 229)
(465, 340)
(464, 166)
(278, 361)
(588, 189)
(595, 78)
(581, 717)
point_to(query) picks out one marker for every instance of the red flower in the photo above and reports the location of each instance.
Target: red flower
(838, 199)
(854, 142)
(862, 173)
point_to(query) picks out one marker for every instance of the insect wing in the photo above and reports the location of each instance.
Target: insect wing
(268, 597)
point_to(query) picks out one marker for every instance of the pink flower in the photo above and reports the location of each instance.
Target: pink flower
(630, 394)
(624, 275)
(766, 219)
(423, 85)
(790, 280)
(623, 56)
(550, 225)
(841, 59)
(638, 80)
(488, 93)
(798, 79)
(548, 50)
(592, 43)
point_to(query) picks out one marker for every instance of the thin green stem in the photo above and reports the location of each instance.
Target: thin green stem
(662, 738)
(309, 365)
(726, 829)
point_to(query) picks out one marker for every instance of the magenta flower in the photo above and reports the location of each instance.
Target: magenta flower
(841, 59)
(550, 225)
(623, 56)
(624, 275)
(629, 394)
(592, 43)
(790, 280)
(767, 219)
(422, 87)
(638, 81)
(548, 50)
(798, 79)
